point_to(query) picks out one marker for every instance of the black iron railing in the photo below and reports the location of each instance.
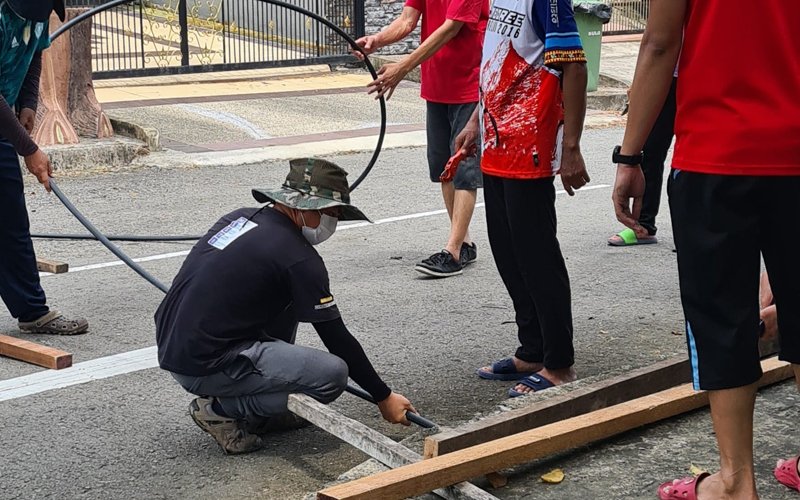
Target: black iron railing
(177, 36)
(627, 17)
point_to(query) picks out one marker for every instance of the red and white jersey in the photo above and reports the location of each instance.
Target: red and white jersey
(521, 104)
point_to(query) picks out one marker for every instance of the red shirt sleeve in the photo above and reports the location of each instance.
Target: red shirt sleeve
(466, 11)
(416, 4)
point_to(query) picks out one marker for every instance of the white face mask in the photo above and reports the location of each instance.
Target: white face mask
(326, 228)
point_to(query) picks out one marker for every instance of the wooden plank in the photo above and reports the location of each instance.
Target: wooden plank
(418, 478)
(373, 443)
(637, 383)
(36, 354)
(51, 266)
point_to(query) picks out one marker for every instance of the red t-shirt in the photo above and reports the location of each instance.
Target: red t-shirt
(739, 89)
(451, 75)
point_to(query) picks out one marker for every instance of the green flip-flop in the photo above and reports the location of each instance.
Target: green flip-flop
(627, 237)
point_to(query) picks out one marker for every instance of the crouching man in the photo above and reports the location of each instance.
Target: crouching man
(226, 328)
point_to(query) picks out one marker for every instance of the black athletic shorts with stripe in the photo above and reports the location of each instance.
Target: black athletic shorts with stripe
(723, 224)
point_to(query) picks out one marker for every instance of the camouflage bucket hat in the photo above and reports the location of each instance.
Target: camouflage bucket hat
(313, 184)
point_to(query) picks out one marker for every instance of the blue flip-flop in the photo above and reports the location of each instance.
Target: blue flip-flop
(535, 382)
(505, 369)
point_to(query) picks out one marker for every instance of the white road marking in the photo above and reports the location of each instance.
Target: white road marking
(343, 227)
(142, 359)
(96, 369)
(237, 121)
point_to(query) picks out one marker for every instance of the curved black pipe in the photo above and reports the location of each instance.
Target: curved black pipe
(382, 102)
(98, 235)
(115, 237)
(86, 15)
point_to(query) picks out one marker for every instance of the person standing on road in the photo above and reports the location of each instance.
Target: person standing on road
(226, 329)
(452, 35)
(533, 104)
(654, 154)
(24, 34)
(733, 195)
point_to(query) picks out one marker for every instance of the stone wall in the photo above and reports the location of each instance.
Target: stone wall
(379, 14)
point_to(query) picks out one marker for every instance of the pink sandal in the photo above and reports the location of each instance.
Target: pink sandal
(786, 473)
(681, 489)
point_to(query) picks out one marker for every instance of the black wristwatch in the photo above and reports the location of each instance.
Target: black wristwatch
(630, 160)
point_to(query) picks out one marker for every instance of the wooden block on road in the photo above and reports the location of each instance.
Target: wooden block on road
(421, 477)
(637, 383)
(51, 266)
(37, 354)
(373, 443)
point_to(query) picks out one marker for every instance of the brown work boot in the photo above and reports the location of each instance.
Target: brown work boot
(55, 323)
(229, 433)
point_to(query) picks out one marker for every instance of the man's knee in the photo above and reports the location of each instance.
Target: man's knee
(333, 375)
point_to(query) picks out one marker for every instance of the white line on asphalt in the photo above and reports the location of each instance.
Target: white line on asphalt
(142, 359)
(356, 225)
(246, 126)
(96, 369)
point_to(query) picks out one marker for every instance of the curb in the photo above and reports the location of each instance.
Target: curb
(607, 100)
(131, 142)
(148, 135)
(95, 154)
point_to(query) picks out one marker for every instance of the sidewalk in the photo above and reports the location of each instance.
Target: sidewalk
(240, 117)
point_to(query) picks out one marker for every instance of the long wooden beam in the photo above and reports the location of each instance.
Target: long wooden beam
(637, 383)
(36, 354)
(373, 443)
(505, 452)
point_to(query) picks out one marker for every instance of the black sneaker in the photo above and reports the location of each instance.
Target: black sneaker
(469, 254)
(439, 265)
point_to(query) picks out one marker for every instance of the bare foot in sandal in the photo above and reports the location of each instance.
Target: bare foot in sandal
(508, 369)
(55, 323)
(787, 472)
(707, 487)
(554, 377)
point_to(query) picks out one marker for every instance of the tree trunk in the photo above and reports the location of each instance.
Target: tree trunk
(68, 106)
(85, 112)
(53, 126)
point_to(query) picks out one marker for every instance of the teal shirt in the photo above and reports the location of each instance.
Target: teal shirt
(20, 39)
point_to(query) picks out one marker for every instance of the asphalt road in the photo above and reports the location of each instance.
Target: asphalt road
(130, 436)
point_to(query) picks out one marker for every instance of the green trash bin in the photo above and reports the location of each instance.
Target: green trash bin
(590, 15)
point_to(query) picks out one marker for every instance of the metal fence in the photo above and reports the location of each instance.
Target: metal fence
(179, 36)
(627, 17)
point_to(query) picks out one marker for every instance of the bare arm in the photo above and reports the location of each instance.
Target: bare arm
(574, 81)
(658, 54)
(573, 166)
(396, 31)
(390, 75)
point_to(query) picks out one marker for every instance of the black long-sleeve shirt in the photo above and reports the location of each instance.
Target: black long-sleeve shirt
(339, 341)
(252, 275)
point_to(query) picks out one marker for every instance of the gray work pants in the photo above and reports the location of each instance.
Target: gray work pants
(258, 383)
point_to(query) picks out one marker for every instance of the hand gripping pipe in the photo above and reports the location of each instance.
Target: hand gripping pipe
(106, 241)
